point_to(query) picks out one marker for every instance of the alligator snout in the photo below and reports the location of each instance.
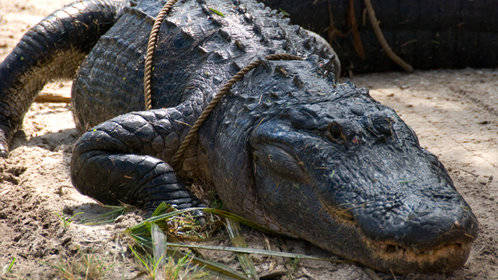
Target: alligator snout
(401, 203)
(419, 220)
(427, 232)
(406, 227)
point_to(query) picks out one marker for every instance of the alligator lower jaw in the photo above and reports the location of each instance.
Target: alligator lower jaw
(390, 257)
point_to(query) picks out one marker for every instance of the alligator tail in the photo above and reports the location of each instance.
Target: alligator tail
(53, 49)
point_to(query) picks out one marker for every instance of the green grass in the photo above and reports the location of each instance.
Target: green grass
(284, 13)
(86, 266)
(172, 269)
(109, 216)
(8, 268)
(217, 12)
(67, 220)
(179, 225)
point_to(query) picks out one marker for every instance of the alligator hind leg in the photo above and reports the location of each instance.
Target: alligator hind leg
(122, 160)
(52, 49)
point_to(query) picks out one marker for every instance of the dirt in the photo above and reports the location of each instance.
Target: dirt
(454, 113)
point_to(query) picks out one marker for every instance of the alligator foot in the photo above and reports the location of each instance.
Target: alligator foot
(139, 180)
(110, 164)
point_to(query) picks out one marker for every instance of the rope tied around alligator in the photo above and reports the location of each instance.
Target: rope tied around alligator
(216, 99)
(151, 47)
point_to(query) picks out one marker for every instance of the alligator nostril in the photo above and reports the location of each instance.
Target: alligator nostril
(382, 125)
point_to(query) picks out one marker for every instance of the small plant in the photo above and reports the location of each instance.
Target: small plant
(165, 216)
(292, 266)
(111, 215)
(66, 221)
(82, 267)
(180, 269)
(8, 268)
(217, 12)
(148, 263)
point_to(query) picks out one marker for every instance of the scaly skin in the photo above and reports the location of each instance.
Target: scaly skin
(289, 148)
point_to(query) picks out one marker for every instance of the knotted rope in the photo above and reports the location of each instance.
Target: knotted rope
(216, 99)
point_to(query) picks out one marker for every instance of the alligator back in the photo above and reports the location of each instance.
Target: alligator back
(201, 44)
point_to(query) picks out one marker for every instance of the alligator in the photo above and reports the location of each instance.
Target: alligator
(426, 34)
(289, 148)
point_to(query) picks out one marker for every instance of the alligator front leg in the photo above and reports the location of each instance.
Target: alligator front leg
(52, 49)
(122, 160)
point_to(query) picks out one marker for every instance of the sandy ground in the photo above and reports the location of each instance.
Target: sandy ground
(454, 113)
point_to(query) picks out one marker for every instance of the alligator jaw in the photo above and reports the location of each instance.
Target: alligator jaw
(399, 259)
(392, 257)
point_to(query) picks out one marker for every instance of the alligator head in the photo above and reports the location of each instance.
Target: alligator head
(326, 163)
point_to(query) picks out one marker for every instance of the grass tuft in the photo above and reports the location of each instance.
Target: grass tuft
(111, 215)
(173, 269)
(8, 268)
(165, 218)
(81, 267)
(283, 12)
(67, 220)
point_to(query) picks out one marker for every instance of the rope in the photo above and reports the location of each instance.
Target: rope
(216, 99)
(151, 47)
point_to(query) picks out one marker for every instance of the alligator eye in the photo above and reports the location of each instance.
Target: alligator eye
(278, 160)
(335, 133)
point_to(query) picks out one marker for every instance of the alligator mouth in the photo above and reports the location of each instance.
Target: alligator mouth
(401, 259)
(392, 257)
